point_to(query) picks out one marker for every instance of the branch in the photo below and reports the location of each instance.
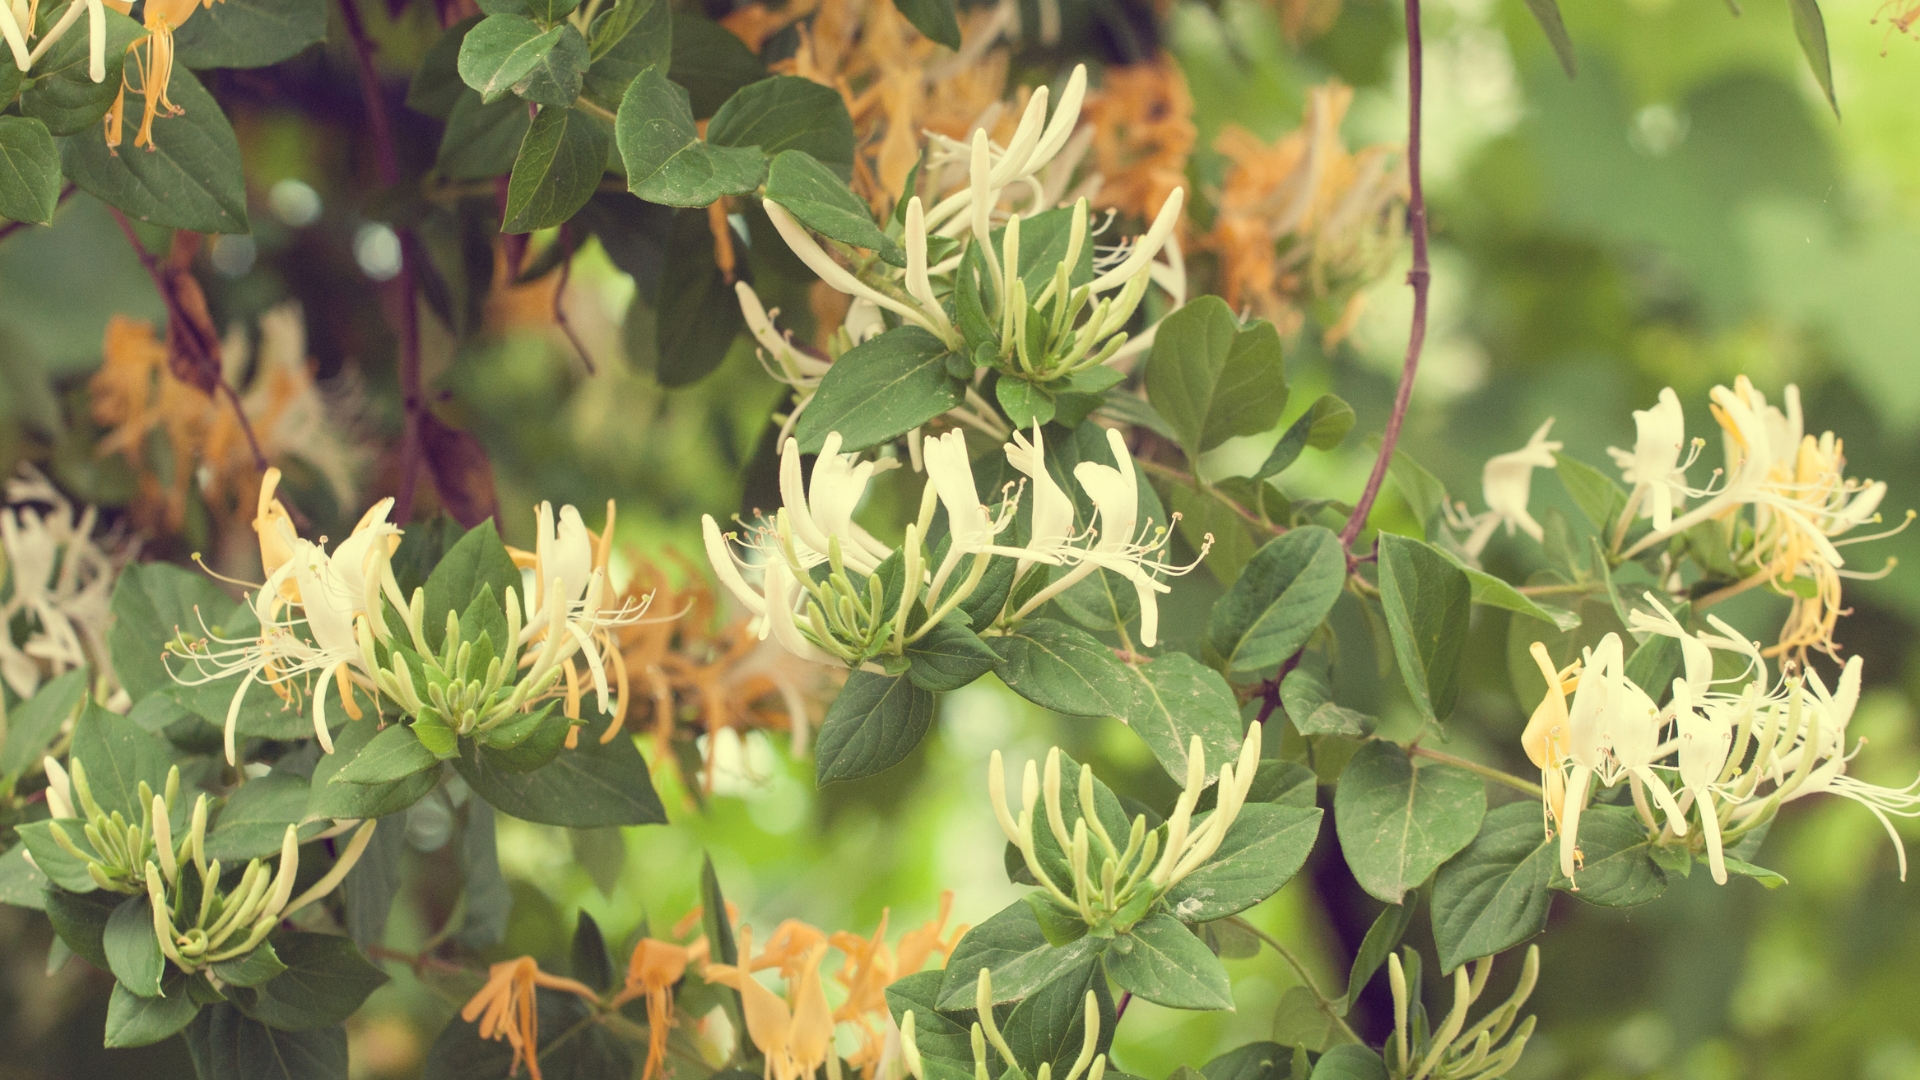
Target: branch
(1418, 277)
(1525, 787)
(559, 307)
(1321, 1001)
(407, 282)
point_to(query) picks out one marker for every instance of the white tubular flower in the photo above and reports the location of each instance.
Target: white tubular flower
(1507, 485)
(59, 789)
(1140, 256)
(839, 277)
(1830, 775)
(727, 567)
(1633, 732)
(919, 285)
(1052, 533)
(1588, 736)
(777, 353)
(1654, 466)
(783, 595)
(16, 40)
(61, 585)
(1705, 743)
(1036, 142)
(971, 525)
(1115, 492)
(822, 509)
(566, 608)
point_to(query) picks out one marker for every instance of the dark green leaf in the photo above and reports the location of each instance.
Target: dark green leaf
(879, 391)
(872, 725)
(1279, 600)
(1490, 591)
(63, 95)
(22, 884)
(1049, 1026)
(559, 73)
(476, 559)
(1213, 380)
(1065, 669)
(1266, 846)
(81, 921)
(249, 33)
(482, 140)
(327, 978)
(436, 85)
(1349, 1062)
(1322, 427)
(34, 723)
(1811, 28)
(1422, 490)
(559, 167)
(593, 785)
(1175, 698)
(255, 819)
(1012, 946)
(822, 202)
(1428, 602)
(191, 179)
(133, 1020)
(1382, 938)
(1285, 783)
(1160, 960)
(710, 62)
(934, 18)
(1307, 695)
(133, 952)
(118, 755)
(29, 171)
(329, 800)
(592, 964)
(946, 1045)
(1254, 1061)
(1547, 14)
(54, 863)
(1598, 497)
(1397, 824)
(394, 754)
(626, 39)
(1618, 869)
(1494, 895)
(949, 657)
(503, 51)
(257, 967)
(226, 1044)
(705, 311)
(784, 113)
(667, 161)
(489, 900)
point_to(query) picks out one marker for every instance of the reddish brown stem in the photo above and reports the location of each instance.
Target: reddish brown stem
(1417, 277)
(559, 306)
(406, 283)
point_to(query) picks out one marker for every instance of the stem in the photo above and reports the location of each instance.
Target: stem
(559, 309)
(388, 165)
(1577, 589)
(12, 227)
(1321, 1001)
(1418, 277)
(1167, 472)
(1728, 592)
(1488, 772)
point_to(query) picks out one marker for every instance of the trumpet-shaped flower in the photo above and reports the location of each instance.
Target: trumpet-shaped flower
(1654, 466)
(794, 1033)
(1506, 483)
(655, 967)
(17, 27)
(507, 1008)
(1052, 532)
(61, 583)
(1706, 741)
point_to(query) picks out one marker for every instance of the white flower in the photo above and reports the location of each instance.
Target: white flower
(1587, 741)
(1052, 530)
(821, 510)
(1506, 483)
(1654, 466)
(16, 25)
(61, 586)
(1705, 742)
(566, 609)
(971, 527)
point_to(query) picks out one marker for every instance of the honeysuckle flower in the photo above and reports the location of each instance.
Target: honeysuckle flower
(843, 280)
(986, 1033)
(1547, 733)
(17, 27)
(1506, 483)
(60, 584)
(794, 1033)
(651, 974)
(160, 18)
(1450, 1048)
(1052, 532)
(822, 511)
(1588, 734)
(1654, 466)
(970, 525)
(783, 360)
(507, 1008)
(1706, 741)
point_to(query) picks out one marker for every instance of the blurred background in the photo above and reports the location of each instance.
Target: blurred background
(1686, 210)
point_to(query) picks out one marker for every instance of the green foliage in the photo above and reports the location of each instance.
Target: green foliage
(1212, 379)
(249, 33)
(1427, 599)
(872, 725)
(1064, 669)
(1398, 823)
(29, 170)
(191, 180)
(1175, 699)
(667, 161)
(1494, 894)
(1163, 962)
(880, 390)
(1283, 595)
(784, 113)
(822, 202)
(559, 166)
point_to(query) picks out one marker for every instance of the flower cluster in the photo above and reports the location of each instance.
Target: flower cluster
(864, 606)
(1717, 761)
(59, 582)
(1454, 1051)
(326, 617)
(199, 921)
(1129, 881)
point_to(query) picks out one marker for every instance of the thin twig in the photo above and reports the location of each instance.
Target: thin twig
(388, 164)
(560, 294)
(12, 227)
(1526, 787)
(1418, 277)
(1168, 472)
(1321, 1001)
(1574, 589)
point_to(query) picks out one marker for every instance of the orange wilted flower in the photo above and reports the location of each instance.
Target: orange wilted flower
(795, 1033)
(871, 967)
(1143, 133)
(1304, 221)
(506, 1007)
(152, 57)
(652, 972)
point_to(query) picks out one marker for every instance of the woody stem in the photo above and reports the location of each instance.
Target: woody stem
(1418, 277)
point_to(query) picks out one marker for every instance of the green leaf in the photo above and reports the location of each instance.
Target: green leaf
(477, 559)
(326, 979)
(1811, 28)
(1618, 869)
(1495, 894)
(36, 722)
(1593, 491)
(591, 962)
(436, 87)
(949, 657)
(1286, 591)
(1397, 824)
(503, 51)
(624, 40)
(249, 33)
(327, 800)
(1307, 695)
(133, 1020)
(872, 725)
(1254, 1061)
(710, 62)
(81, 921)
(552, 11)
(191, 179)
(228, 1045)
(255, 819)
(1428, 602)
(29, 171)
(1382, 938)
(667, 162)
(1065, 669)
(1322, 426)
(559, 73)
(1160, 960)
(1284, 783)
(1012, 946)
(596, 784)
(558, 170)
(1490, 591)
(22, 884)
(64, 870)
(523, 744)
(934, 18)
(880, 390)
(393, 754)
(706, 312)
(1049, 1026)
(1024, 403)
(1261, 852)
(1422, 490)
(784, 113)
(64, 96)
(1349, 1062)
(1213, 380)
(822, 202)
(1175, 698)
(119, 755)
(481, 140)
(1767, 878)
(258, 966)
(133, 952)
(1547, 14)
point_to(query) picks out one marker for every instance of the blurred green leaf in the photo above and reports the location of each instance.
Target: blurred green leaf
(934, 18)
(249, 33)
(133, 1020)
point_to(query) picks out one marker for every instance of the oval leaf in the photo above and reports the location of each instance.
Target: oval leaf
(1397, 824)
